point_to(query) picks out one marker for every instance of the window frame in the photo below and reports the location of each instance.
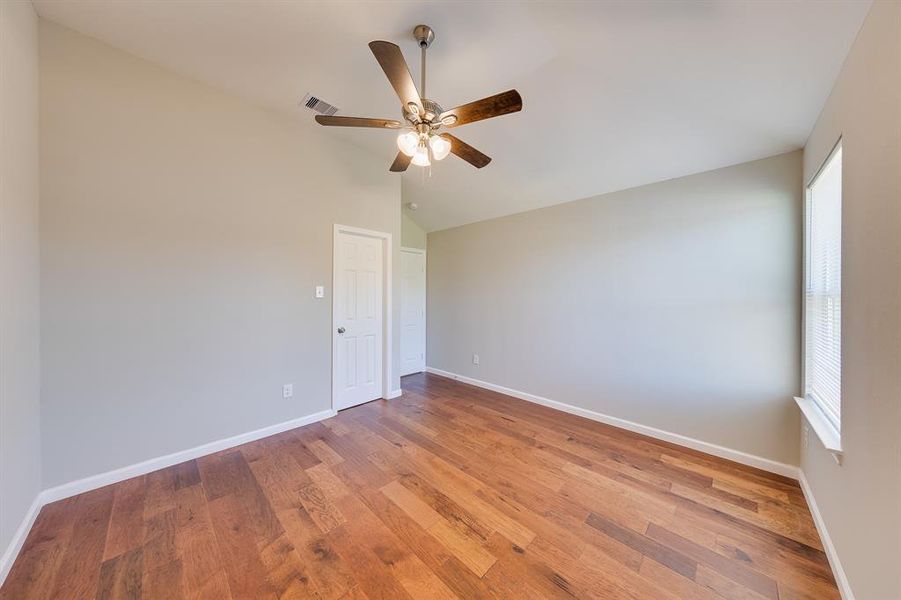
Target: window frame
(814, 412)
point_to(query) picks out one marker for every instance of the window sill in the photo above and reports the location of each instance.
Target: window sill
(830, 438)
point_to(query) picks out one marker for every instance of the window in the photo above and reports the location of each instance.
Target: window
(823, 290)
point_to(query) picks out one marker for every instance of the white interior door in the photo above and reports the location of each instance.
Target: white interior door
(412, 308)
(358, 331)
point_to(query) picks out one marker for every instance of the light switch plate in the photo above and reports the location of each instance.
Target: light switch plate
(320, 291)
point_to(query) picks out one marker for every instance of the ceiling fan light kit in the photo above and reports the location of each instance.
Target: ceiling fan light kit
(439, 146)
(422, 141)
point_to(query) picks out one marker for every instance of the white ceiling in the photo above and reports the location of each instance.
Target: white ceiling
(615, 94)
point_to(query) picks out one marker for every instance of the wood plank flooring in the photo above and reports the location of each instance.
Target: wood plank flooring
(450, 491)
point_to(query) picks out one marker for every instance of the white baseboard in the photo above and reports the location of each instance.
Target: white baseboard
(148, 466)
(394, 394)
(154, 464)
(735, 455)
(15, 544)
(841, 579)
(721, 451)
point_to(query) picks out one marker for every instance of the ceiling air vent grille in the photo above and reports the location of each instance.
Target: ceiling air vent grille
(316, 105)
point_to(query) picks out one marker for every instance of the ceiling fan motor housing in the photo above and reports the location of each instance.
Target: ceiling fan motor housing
(431, 109)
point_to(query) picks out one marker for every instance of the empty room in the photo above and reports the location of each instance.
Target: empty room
(451, 299)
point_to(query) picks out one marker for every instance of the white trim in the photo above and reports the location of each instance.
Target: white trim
(805, 267)
(835, 148)
(393, 395)
(18, 539)
(841, 580)
(93, 482)
(822, 426)
(387, 287)
(154, 464)
(721, 451)
(425, 308)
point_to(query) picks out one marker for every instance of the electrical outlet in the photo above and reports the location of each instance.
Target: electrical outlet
(475, 359)
(805, 437)
(288, 390)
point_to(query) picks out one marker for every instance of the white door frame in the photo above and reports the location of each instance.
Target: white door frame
(425, 282)
(387, 284)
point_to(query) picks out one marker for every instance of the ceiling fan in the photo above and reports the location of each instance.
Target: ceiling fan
(422, 141)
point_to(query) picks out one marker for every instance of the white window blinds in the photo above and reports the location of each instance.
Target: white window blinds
(823, 289)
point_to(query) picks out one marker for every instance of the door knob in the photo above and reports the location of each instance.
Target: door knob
(341, 330)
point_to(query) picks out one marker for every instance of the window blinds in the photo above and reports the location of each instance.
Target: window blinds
(823, 289)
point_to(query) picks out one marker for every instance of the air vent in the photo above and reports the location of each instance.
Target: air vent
(316, 105)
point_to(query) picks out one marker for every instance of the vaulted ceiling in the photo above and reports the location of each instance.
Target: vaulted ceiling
(615, 94)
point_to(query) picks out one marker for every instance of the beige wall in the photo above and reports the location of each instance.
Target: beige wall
(20, 444)
(183, 233)
(860, 501)
(412, 235)
(673, 305)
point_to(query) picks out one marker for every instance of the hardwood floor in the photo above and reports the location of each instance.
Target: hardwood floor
(449, 491)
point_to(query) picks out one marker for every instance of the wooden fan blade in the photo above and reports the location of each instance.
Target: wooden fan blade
(357, 122)
(393, 64)
(467, 152)
(401, 162)
(486, 108)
